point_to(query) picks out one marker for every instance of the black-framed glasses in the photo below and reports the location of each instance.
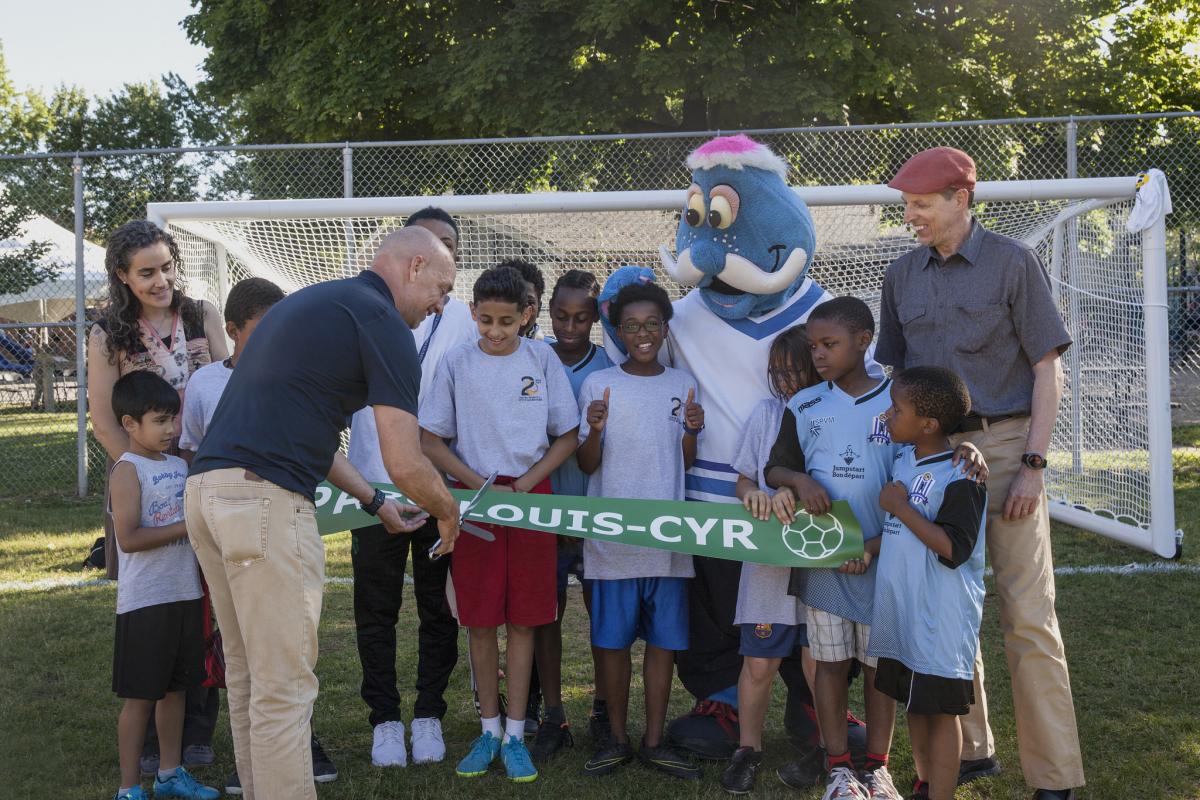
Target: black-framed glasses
(633, 326)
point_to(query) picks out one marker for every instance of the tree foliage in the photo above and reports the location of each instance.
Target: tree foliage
(137, 116)
(306, 70)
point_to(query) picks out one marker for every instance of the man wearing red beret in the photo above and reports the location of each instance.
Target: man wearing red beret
(980, 304)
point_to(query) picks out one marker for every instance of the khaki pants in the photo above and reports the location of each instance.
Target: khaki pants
(265, 565)
(1019, 555)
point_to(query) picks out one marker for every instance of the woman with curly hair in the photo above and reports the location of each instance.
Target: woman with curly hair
(148, 323)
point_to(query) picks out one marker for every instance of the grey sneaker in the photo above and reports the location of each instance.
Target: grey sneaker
(148, 764)
(198, 755)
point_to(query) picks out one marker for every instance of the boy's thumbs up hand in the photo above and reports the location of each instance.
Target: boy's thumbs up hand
(693, 413)
(597, 415)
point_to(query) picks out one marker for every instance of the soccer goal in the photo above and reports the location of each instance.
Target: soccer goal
(1110, 462)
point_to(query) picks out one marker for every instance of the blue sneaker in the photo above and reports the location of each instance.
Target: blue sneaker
(136, 793)
(517, 763)
(183, 786)
(483, 752)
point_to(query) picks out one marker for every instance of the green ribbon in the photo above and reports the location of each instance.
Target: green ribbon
(716, 530)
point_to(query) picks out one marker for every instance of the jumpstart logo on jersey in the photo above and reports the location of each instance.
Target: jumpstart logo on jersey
(880, 433)
(531, 389)
(922, 485)
(848, 455)
(715, 530)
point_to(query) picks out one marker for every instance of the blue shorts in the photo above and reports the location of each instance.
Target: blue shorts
(765, 640)
(654, 610)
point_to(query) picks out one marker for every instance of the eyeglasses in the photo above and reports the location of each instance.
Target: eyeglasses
(633, 326)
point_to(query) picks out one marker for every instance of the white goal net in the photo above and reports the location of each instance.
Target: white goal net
(1110, 467)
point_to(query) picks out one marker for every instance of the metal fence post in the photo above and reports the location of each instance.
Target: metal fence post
(81, 446)
(1068, 271)
(348, 191)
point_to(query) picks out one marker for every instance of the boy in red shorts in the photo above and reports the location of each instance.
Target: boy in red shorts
(508, 406)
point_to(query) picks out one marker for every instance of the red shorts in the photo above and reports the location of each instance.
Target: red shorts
(509, 580)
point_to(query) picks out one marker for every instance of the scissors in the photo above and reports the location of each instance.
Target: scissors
(470, 527)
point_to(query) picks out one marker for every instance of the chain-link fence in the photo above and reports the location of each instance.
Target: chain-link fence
(46, 198)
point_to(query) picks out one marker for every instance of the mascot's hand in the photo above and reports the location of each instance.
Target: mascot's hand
(693, 412)
(597, 415)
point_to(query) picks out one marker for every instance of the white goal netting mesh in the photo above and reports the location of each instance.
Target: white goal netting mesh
(1099, 459)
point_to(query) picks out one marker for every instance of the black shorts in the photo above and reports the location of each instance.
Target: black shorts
(159, 649)
(924, 694)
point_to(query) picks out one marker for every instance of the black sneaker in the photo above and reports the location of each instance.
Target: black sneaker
(667, 759)
(549, 739)
(533, 715)
(233, 784)
(738, 777)
(978, 768)
(710, 730)
(600, 728)
(805, 772)
(608, 759)
(324, 770)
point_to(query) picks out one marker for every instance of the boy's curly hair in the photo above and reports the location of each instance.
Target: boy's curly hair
(637, 293)
(500, 283)
(937, 393)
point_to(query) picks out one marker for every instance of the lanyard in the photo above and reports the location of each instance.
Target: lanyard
(154, 337)
(437, 320)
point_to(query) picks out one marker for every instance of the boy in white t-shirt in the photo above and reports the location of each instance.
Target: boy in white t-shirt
(248, 301)
(159, 650)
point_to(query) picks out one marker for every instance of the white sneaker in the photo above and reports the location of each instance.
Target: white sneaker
(844, 785)
(880, 786)
(387, 748)
(427, 744)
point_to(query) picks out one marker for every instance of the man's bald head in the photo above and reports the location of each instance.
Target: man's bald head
(418, 269)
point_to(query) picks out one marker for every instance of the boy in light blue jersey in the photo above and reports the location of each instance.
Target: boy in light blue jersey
(573, 312)
(835, 432)
(929, 586)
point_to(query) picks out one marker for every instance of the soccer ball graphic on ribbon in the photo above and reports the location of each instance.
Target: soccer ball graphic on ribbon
(813, 538)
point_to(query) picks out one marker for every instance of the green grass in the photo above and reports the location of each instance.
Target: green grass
(1133, 643)
(38, 454)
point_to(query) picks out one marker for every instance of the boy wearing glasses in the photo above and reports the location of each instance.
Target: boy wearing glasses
(637, 437)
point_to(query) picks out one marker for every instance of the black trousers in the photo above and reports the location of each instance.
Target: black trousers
(202, 707)
(712, 662)
(379, 559)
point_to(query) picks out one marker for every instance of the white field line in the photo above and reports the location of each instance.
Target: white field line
(1154, 568)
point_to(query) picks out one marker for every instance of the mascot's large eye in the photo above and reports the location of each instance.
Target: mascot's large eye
(694, 214)
(724, 206)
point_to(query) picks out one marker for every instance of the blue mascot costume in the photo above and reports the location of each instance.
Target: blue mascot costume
(745, 241)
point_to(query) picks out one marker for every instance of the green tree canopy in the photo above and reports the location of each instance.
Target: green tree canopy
(306, 70)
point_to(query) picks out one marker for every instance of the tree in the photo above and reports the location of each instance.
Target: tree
(21, 266)
(166, 114)
(305, 70)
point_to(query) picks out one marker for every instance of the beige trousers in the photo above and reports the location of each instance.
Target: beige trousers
(265, 565)
(1019, 554)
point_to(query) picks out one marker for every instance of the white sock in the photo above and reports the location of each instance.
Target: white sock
(492, 725)
(167, 774)
(515, 727)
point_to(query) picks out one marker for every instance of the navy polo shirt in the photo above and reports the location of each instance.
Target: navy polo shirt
(316, 357)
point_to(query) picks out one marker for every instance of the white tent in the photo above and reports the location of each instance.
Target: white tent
(53, 299)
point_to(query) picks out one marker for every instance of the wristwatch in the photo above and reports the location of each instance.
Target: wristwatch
(376, 503)
(1034, 460)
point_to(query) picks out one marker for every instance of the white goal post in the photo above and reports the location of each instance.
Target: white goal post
(1110, 461)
